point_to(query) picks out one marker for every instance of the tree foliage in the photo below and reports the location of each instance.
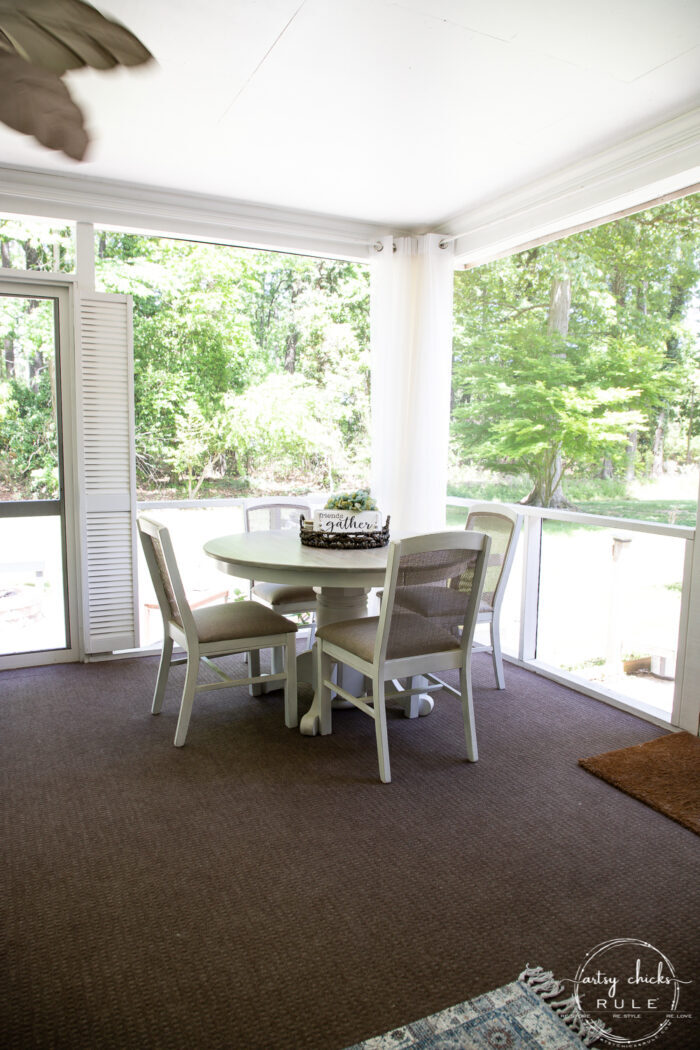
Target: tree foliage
(250, 368)
(600, 391)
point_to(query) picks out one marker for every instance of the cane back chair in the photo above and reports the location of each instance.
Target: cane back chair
(402, 644)
(275, 514)
(207, 633)
(502, 524)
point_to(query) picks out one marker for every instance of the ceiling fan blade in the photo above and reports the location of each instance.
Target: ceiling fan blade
(59, 35)
(38, 103)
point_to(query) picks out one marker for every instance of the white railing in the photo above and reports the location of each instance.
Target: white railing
(529, 619)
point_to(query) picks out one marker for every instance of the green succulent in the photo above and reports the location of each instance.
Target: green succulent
(356, 501)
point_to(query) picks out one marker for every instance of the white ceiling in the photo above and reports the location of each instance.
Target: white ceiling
(400, 112)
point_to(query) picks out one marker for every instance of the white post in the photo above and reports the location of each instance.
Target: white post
(686, 700)
(411, 331)
(530, 599)
(613, 649)
(85, 256)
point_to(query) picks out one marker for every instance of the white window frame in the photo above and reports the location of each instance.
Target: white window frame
(61, 287)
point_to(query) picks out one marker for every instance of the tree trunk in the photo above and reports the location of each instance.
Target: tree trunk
(606, 470)
(618, 286)
(36, 367)
(290, 352)
(642, 297)
(5, 260)
(631, 451)
(546, 489)
(547, 474)
(559, 305)
(31, 254)
(657, 467)
(9, 356)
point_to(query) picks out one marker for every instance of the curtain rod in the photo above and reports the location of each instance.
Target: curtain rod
(444, 243)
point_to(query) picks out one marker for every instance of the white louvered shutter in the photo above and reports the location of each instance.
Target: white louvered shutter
(107, 482)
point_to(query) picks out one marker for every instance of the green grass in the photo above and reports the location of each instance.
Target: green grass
(667, 512)
(587, 495)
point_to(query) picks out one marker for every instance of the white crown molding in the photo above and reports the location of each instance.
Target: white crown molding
(657, 162)
(181, 214)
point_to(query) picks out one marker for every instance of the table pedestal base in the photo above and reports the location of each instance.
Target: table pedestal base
(334, 604)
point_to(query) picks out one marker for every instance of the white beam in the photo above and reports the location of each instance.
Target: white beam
(85, 256)
(171, 213)
(639, 170)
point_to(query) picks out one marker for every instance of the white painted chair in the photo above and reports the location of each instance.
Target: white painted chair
(207, 633)
(280, 514)
(283, 598)
(502, 524)
(402, 644)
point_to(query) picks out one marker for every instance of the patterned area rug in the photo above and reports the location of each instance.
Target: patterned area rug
(664, 773)
(516, 1015)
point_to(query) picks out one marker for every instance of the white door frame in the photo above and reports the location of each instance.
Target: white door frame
(61, 288)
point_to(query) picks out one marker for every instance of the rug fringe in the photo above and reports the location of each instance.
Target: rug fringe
(545, 984)
(541, 981)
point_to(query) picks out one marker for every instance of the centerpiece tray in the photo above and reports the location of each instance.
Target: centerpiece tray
(342, 540)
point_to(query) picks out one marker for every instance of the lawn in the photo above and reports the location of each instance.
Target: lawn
(672, 500)
(594, 608)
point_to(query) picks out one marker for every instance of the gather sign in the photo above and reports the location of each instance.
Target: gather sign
(347, 521)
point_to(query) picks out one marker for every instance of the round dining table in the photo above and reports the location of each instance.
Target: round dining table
(342, 580)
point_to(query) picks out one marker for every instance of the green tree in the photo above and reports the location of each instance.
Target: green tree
(571, 356)
(213, 326)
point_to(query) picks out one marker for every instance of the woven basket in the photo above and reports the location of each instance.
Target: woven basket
(343, 541)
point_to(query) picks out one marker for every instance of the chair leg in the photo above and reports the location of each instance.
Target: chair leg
(187, 699)
(324, 668)
(497, 655)
(465, 685)
(380, 730)
(163, 671)
(291, 713)
(254, 671)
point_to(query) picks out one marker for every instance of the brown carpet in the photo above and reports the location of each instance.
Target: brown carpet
(664, 773)
(260, 890)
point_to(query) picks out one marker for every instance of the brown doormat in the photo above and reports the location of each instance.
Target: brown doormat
(664, 773)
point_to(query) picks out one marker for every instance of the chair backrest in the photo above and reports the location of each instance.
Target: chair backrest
(432, 562)
(165, 575)
(274, 514)
(502, 524)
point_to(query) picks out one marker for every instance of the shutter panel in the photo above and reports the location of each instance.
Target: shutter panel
(107, 481)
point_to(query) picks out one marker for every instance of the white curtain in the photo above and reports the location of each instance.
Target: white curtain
(411, 361)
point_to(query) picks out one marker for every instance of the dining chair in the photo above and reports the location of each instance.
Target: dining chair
(214, 631)
(402, 644)
(287, 599)
(284, 598)
(503, 525)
